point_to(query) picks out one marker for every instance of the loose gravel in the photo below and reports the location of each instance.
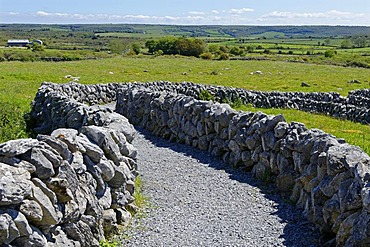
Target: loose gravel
(197, 200)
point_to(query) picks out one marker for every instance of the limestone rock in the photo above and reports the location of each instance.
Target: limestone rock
(8, 229)
(58, 145)
(36, 239)
(81, 232)
(68, 136)
(16, 147)
(32, 210)
(60, 238)
(110, 222)
(21, 223)
(50, 215)
(14, 185)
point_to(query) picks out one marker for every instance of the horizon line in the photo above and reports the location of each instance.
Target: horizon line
(163, 24)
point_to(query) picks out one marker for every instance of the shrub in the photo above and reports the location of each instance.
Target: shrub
(329, 53)
(213, 48)
(37, 47)
(224, 56)
(131, 53)
(236, 102)
(205, 95)
(236, 51)
(158, 53)
(136, 48)
(206, 56)
(224, 48)
(358, 64)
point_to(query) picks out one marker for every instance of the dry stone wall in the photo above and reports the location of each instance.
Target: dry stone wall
(355, 107)
(321, 174)
(72, 185)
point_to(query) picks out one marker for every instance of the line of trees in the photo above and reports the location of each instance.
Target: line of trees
(173, 46)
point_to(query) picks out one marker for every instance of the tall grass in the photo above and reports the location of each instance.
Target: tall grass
(12, 122)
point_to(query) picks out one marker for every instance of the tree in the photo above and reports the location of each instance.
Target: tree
(151, 45)
(346, 44)
(136, 48)
(119, 46)
(236, 51)
(327, 41)
(167, 45)
(213, 48)
(359, 41)
(330, 53)
(182, 46)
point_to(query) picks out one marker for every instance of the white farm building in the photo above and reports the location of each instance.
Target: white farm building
(22, 42)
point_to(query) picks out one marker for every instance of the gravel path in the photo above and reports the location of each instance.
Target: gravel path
(196, 200)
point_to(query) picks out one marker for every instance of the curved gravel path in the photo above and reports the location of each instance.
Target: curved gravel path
(196, 200)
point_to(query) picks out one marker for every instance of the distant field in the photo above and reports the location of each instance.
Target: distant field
(281, 76)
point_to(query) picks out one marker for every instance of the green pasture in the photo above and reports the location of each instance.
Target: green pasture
(277, 75)
(19, 82)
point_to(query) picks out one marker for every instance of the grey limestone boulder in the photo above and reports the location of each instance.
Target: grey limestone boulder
(16, 147)
(14, 185)
(32, 210)
(36, 239)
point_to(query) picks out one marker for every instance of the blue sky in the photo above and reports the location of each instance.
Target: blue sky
(224, 12)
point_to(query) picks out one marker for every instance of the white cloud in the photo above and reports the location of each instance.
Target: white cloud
(224, 17)
(328, 17)
(45, 17)
(240, 11)
(196, 13)
(42, 13)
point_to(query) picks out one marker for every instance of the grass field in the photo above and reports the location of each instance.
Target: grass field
(19, 81)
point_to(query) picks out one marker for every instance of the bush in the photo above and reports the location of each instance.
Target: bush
(206, 56)
(236, 51)
(136, 48)
(224, 56)
(37, 47)
(359, 64)
(131, 53)
(330, 53)
(158, 53)
(213, 48)
(224, 49)
(205, 95)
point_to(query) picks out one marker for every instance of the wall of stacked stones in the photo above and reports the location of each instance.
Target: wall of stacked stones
(72, 185)
(326, 177)
(321, 174)
(354, 107)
